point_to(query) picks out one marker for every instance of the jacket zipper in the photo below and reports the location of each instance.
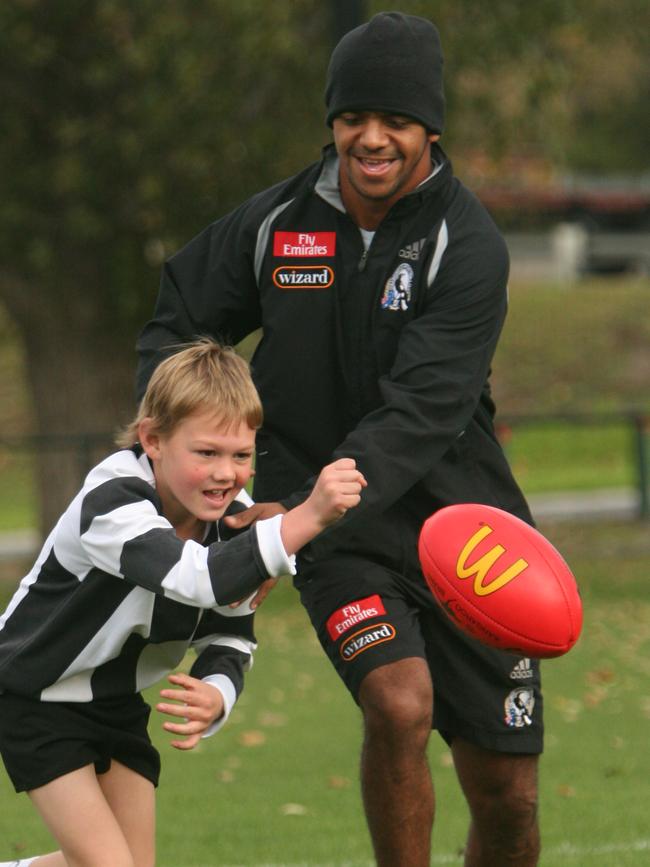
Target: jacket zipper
(362, 261)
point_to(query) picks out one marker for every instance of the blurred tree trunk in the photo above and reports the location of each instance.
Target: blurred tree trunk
(127, 128)
(80, 369)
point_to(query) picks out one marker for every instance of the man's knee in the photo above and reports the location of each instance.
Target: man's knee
(511, 811)
(501, 792)
(397, 700)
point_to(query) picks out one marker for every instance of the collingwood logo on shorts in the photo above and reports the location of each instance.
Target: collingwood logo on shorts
(518, 707)
(412, 251)
(397, 292)
(522, 670)
(365, 638)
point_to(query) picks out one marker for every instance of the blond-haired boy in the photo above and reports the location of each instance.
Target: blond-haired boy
(139, 568)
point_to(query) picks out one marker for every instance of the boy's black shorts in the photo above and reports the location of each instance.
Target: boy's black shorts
(367, 615)
(40, 740)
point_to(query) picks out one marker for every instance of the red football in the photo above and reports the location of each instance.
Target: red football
(500, 580)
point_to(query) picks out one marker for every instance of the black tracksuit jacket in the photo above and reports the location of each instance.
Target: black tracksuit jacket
(383, 357)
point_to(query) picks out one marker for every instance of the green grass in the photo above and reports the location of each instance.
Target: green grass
(279, 785)
(579, 348)
(559, 456)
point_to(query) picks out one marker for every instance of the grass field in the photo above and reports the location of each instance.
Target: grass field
(279, 785)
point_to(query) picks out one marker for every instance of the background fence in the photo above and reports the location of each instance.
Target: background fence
(636, 445)
(569, 464)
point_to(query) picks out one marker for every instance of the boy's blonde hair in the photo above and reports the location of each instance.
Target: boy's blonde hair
(202, 376)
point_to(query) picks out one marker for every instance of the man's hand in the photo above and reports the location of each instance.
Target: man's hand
(256, 512)
(263, 591)
(197, 703)
(247, 518)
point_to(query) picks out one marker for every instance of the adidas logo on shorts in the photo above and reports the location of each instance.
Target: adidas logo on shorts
(522, 670)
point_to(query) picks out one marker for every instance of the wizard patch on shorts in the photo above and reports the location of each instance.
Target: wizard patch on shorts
(366, 638)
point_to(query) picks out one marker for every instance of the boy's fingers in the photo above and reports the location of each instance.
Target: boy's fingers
(187, 726)
(180, 679)
(173, 709)
(178, 696)
(188, 743)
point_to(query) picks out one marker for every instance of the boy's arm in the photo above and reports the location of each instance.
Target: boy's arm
(123, 533)
(204, 699)
(225, 643)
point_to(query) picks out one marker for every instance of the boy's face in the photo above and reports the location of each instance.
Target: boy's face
(199, 468)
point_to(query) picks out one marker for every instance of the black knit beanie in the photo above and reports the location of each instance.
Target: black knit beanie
(393, 63)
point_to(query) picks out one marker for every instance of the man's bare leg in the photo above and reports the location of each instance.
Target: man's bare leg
(397, 701)
(501, 791)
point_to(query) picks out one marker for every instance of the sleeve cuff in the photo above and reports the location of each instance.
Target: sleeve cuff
(275, 558)
(227, 689)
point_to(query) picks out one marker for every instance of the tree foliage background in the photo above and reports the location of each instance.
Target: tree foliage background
(129, 126)
(567, 81)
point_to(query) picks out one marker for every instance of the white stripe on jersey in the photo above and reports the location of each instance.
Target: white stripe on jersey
(132, 616)
(79, 628)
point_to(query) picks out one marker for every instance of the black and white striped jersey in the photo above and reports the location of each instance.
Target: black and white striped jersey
(115, 598)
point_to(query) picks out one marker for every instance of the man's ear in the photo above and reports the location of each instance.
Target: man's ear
(433, 137)
(148, 438)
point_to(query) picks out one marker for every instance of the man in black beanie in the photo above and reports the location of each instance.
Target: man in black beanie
(379, 282)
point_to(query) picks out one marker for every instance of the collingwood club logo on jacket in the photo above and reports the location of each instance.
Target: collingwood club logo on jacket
(397, 292)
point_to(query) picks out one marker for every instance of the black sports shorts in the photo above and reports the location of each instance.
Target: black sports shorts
(366, 615)
(41, 740)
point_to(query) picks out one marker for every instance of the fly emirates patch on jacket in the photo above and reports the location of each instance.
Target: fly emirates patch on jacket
(305, 246)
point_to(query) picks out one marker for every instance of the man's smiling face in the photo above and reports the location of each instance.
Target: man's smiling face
(382, 157)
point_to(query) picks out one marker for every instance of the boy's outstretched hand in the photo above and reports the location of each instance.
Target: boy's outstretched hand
(337, 489)
(198, 704)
